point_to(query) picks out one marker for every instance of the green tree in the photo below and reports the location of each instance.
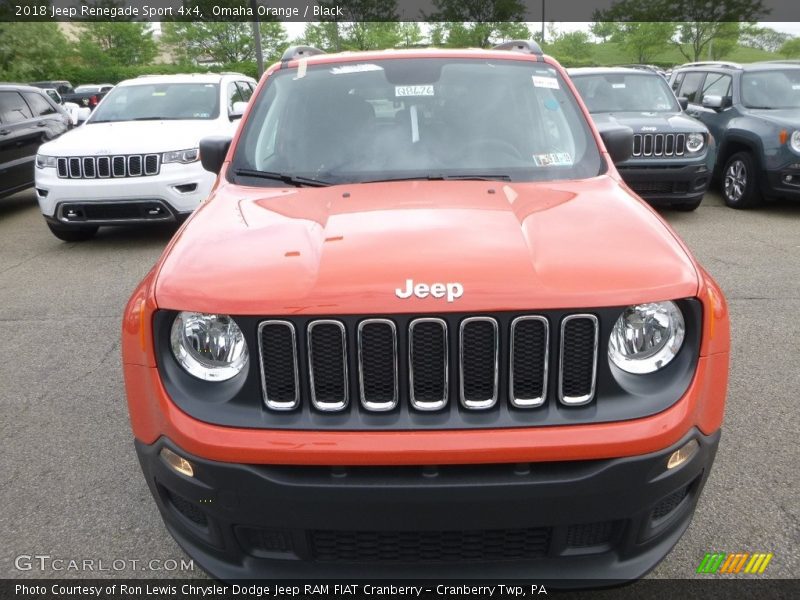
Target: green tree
(364, 25)
(410, 34)
(642, 42)
(700, 21)
(116, 43)
(223, 42)
(762, 38)
(604, 30)
(31, 51)
(570, 46)
(479, 23)
(790, 48)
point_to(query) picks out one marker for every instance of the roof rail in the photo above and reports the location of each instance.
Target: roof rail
(790, 61)
(231, 73)
(711, 63)
(293, 52)
(526, 46)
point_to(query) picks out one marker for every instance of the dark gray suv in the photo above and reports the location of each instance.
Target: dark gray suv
(673, 153)
(753, 111)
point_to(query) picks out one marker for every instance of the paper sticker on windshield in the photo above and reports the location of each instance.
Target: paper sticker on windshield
(550, 83)
(553, 159)
(413, 90)
(355, 69)
(796, 86)
(618, 86)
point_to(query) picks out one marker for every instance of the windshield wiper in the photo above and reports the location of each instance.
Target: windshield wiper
(294, 180)
(443, 177)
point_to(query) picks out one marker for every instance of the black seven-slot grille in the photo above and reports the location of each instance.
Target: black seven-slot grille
(104, 167)
(659, 144)
(428, 362)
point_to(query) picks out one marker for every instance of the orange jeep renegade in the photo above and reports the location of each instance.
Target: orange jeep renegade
(422, 328)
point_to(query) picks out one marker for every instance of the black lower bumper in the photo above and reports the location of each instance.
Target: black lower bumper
(668, 185)
(604, 520)
(115, 212)
(782, 183)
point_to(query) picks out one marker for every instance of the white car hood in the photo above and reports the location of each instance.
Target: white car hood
(135, 137)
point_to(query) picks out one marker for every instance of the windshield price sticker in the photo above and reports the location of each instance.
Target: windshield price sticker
(550, 83)
(553, 159)
(618, 86)
(413, 90)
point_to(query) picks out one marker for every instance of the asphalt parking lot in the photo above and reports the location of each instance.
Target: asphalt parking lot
(72, 488)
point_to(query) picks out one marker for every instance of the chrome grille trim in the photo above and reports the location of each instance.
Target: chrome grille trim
(426, 405)
(134, 165)
(586, 398)
(104, 167)
(659, 144)
(512, 397)
(368, 404)
(327, 406)
(75, 168)
(157, 159)
(491, 401)
(277, 404)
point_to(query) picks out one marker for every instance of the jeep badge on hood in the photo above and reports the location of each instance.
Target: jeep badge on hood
(438, 290)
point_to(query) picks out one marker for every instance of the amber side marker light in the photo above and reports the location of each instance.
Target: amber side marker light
(681, 455)
(178, 463)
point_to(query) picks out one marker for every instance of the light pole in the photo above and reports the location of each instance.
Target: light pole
(257, 39)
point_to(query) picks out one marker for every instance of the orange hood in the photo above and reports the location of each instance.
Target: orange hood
(346, 249)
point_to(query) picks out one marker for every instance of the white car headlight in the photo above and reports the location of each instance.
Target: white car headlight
(695, 142)
(181, 156)
(210, 347)
(794, 141)
(646, 337)
(45, 162)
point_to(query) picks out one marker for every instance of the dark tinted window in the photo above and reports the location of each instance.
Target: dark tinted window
(691, 85)
(418, 118)
(38, 104)
(717, 84)
(13, 108)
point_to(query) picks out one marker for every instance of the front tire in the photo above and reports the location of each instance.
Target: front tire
(72, 234)
(739, 186)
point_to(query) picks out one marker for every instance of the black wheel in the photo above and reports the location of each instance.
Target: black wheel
(72, 234)
(739, 185)
(688, 206)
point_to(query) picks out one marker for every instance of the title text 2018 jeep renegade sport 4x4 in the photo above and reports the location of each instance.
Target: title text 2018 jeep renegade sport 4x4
(420, 325)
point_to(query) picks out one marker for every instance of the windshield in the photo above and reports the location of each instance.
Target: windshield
(157, 101)
(427, 118)
(626, 92)
(771, 89)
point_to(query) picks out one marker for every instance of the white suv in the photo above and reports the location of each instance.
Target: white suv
(136, 159)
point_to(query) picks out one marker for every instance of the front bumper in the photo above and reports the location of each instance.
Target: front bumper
(667, 184)
(595, 520)
(782, 183)
(179, 189)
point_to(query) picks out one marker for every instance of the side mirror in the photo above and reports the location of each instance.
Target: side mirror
(213, 151)
(684, 102)
(83, 113)
(713, 101)
(237, 110)
(619, 142)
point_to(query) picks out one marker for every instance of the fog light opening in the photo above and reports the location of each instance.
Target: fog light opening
(177, 463)
(683, 454)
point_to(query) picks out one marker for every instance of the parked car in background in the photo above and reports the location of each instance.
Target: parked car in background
(673, 153)
(28, 118)
(753, 111)
(70, 107)
(88, 96)
(136, 158)
(61, 86)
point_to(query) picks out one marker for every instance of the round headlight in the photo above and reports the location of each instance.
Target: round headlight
(695, 142)
(794, 141)
(210, 347)
(646, 337)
